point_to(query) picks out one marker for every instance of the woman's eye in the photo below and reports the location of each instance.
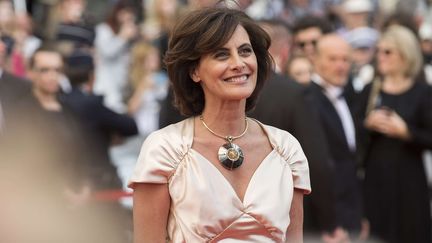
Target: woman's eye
(221, 55)
(245, 51)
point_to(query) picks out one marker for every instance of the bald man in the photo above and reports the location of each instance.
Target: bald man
(332, 66)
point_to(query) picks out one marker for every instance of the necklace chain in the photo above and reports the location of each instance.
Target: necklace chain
(228, 138)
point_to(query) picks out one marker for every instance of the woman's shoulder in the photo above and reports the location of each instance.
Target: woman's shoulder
(288, 147)
(175, 138)
(175, 134)
(275, 133)
(166, 147)
(283, 141)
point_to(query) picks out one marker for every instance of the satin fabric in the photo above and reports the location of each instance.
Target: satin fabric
(204, 205)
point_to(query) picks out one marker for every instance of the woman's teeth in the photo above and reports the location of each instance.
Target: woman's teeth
(237, 79)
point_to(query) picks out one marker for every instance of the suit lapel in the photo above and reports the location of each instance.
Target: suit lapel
(329, 113)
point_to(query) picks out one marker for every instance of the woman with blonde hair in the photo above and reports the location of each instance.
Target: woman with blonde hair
(149, 85)
(397, 127)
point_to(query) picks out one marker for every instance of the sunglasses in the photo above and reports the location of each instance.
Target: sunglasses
(302, 44)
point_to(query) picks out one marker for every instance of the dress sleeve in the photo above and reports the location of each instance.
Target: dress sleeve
(299, 167)
(157, 161)
(294, 155)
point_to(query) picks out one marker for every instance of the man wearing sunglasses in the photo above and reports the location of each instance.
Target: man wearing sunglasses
(306, 32)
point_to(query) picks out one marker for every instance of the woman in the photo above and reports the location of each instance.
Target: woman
(300, 69)
(112, 44)
(219, 176)
(398, 127)
(149, 86)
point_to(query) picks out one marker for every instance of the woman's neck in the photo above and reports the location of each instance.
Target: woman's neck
(397, 84)
(228, 119)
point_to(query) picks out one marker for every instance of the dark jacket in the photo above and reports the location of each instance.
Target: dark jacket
(346, 182)
(282, 104)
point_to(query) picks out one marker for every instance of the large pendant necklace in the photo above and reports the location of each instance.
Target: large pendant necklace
(230, 154)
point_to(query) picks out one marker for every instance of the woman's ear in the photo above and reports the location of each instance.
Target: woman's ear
(194, 76)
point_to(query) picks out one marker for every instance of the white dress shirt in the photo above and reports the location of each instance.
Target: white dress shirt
(334, 94)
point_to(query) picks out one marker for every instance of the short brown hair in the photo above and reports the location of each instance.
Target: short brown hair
(201, 32)
(46, 47)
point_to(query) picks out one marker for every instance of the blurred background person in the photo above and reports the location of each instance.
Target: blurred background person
(300, 69)
(113, 59)
(281, 42)
(357, 31)
(100, 123)
(356, 14)
(60, 168)
(161, 15)
(306, 32)
(13, 90)
(6, 17)
(149, 86)
(295, 115)
(425, 35)
(363, 44)
(396, 114)
(197, 4)
(49, 116)
(332, 67)
(296, 9)
(76, 27)
(25, 44)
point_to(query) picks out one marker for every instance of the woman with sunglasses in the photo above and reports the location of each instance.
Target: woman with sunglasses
(219, 176)
(397, 127)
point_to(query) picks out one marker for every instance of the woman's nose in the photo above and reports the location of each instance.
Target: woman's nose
(237, 62)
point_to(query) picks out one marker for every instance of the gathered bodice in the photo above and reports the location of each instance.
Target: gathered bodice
(204, 205)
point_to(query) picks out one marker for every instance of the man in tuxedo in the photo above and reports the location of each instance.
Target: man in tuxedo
(294, 115)
(332, 66)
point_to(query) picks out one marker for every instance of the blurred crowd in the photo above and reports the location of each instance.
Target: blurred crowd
(81, 88)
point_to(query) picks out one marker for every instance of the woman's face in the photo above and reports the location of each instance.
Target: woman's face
(125, 16)
(390, 60)
(152, 60)
(230, 72)
(301, 70)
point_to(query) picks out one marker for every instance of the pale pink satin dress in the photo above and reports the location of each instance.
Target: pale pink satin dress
(204, 205)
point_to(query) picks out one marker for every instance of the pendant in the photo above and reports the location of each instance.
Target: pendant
(230, 155)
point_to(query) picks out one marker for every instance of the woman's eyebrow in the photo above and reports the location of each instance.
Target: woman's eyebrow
(241, 46)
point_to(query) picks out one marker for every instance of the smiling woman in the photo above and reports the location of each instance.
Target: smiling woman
(219, 176)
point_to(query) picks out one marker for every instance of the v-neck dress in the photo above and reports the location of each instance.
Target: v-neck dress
(204, 206)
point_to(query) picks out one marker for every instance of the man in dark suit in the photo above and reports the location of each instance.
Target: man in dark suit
(100, 123)
(282, 104)
(295, 115)
(332, 66)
